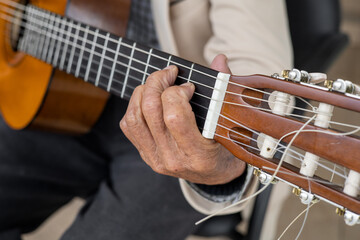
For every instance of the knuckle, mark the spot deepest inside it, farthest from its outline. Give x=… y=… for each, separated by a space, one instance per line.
x=132 y=118
x=122 y=124
x=159 y=168
x=138 y=90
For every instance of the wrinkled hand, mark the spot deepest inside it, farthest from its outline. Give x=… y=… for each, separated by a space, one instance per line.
x=161 y=124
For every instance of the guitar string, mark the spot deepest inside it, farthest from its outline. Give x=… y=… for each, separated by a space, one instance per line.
x=261 y=189
x=110 y=50
x=302 y=109
x=245 y=96
x=302 y=177
x=66 y=41
x=277 y=149
x=23 y=7
x=295 y=219
x=267 y=109
x=266 y=185
x=307 y=209
x=282 y=146
x=203 y=96
x=139 y=80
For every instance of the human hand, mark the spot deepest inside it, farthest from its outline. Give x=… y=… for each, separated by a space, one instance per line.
x=160 y=123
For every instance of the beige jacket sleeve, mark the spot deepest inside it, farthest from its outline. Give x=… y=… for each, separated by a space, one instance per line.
x=252 y=33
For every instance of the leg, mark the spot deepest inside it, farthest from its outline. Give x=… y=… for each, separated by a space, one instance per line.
x=39 y=172
x=134 y=202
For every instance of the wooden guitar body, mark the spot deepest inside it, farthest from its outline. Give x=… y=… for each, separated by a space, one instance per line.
x=34 y=95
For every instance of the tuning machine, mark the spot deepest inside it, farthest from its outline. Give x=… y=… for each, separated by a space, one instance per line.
x=342 y=86
x=264 y=178
x=305 y=197
x=350 y=218
x=297 y=75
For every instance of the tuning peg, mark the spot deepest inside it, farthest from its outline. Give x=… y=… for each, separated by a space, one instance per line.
x=296 y=75
x=317 y=77
x=305 y=197
x=264 y=178
x=351 y=218
x=343 y=86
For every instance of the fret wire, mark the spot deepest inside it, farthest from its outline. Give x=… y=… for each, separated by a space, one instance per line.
x=157 y=56
x=82 y=50
x=23 y=39
x=114 y=64
x=128 y=70
x=191 y=70
x=71 y=57
x=66 y=46
x=134 y=48
x=31 y=35
x=40 y=53
x=41 y=37
x=91 y=55
x=156 y=68
x=47 y=42
x=147 y=66
x=50 y=53
x=169 y=61
x=59 y=46
x=102 y=60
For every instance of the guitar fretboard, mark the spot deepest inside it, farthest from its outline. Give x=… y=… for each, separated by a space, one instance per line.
x=113 y=63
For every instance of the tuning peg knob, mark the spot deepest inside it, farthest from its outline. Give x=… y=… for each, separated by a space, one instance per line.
x=296 y=75
x=351 y=218
x=317 y=77
x=343 y=86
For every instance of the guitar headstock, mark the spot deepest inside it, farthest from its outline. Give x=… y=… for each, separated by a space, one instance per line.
x=290 y=120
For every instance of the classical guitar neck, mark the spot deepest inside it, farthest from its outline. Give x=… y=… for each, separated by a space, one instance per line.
x=113 y=63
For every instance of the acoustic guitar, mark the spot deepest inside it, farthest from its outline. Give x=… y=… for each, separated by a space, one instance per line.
x=252 y=116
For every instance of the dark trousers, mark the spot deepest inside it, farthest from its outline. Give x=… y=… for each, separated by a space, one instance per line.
x=125 y=199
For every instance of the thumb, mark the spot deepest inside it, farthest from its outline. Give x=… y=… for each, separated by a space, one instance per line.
x=220 y=64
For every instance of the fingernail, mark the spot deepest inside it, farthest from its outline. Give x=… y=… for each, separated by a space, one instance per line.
x=171 y=67
x=188 y=85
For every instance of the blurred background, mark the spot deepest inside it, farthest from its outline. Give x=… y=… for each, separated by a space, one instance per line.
x=322 y=221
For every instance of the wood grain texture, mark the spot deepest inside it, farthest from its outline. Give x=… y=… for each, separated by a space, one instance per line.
x=342 y=150
x=72 y=105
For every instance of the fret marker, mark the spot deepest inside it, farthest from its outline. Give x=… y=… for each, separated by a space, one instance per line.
x=147 y=66
x=114 y=65
x=128 y=70
x=215 y=106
